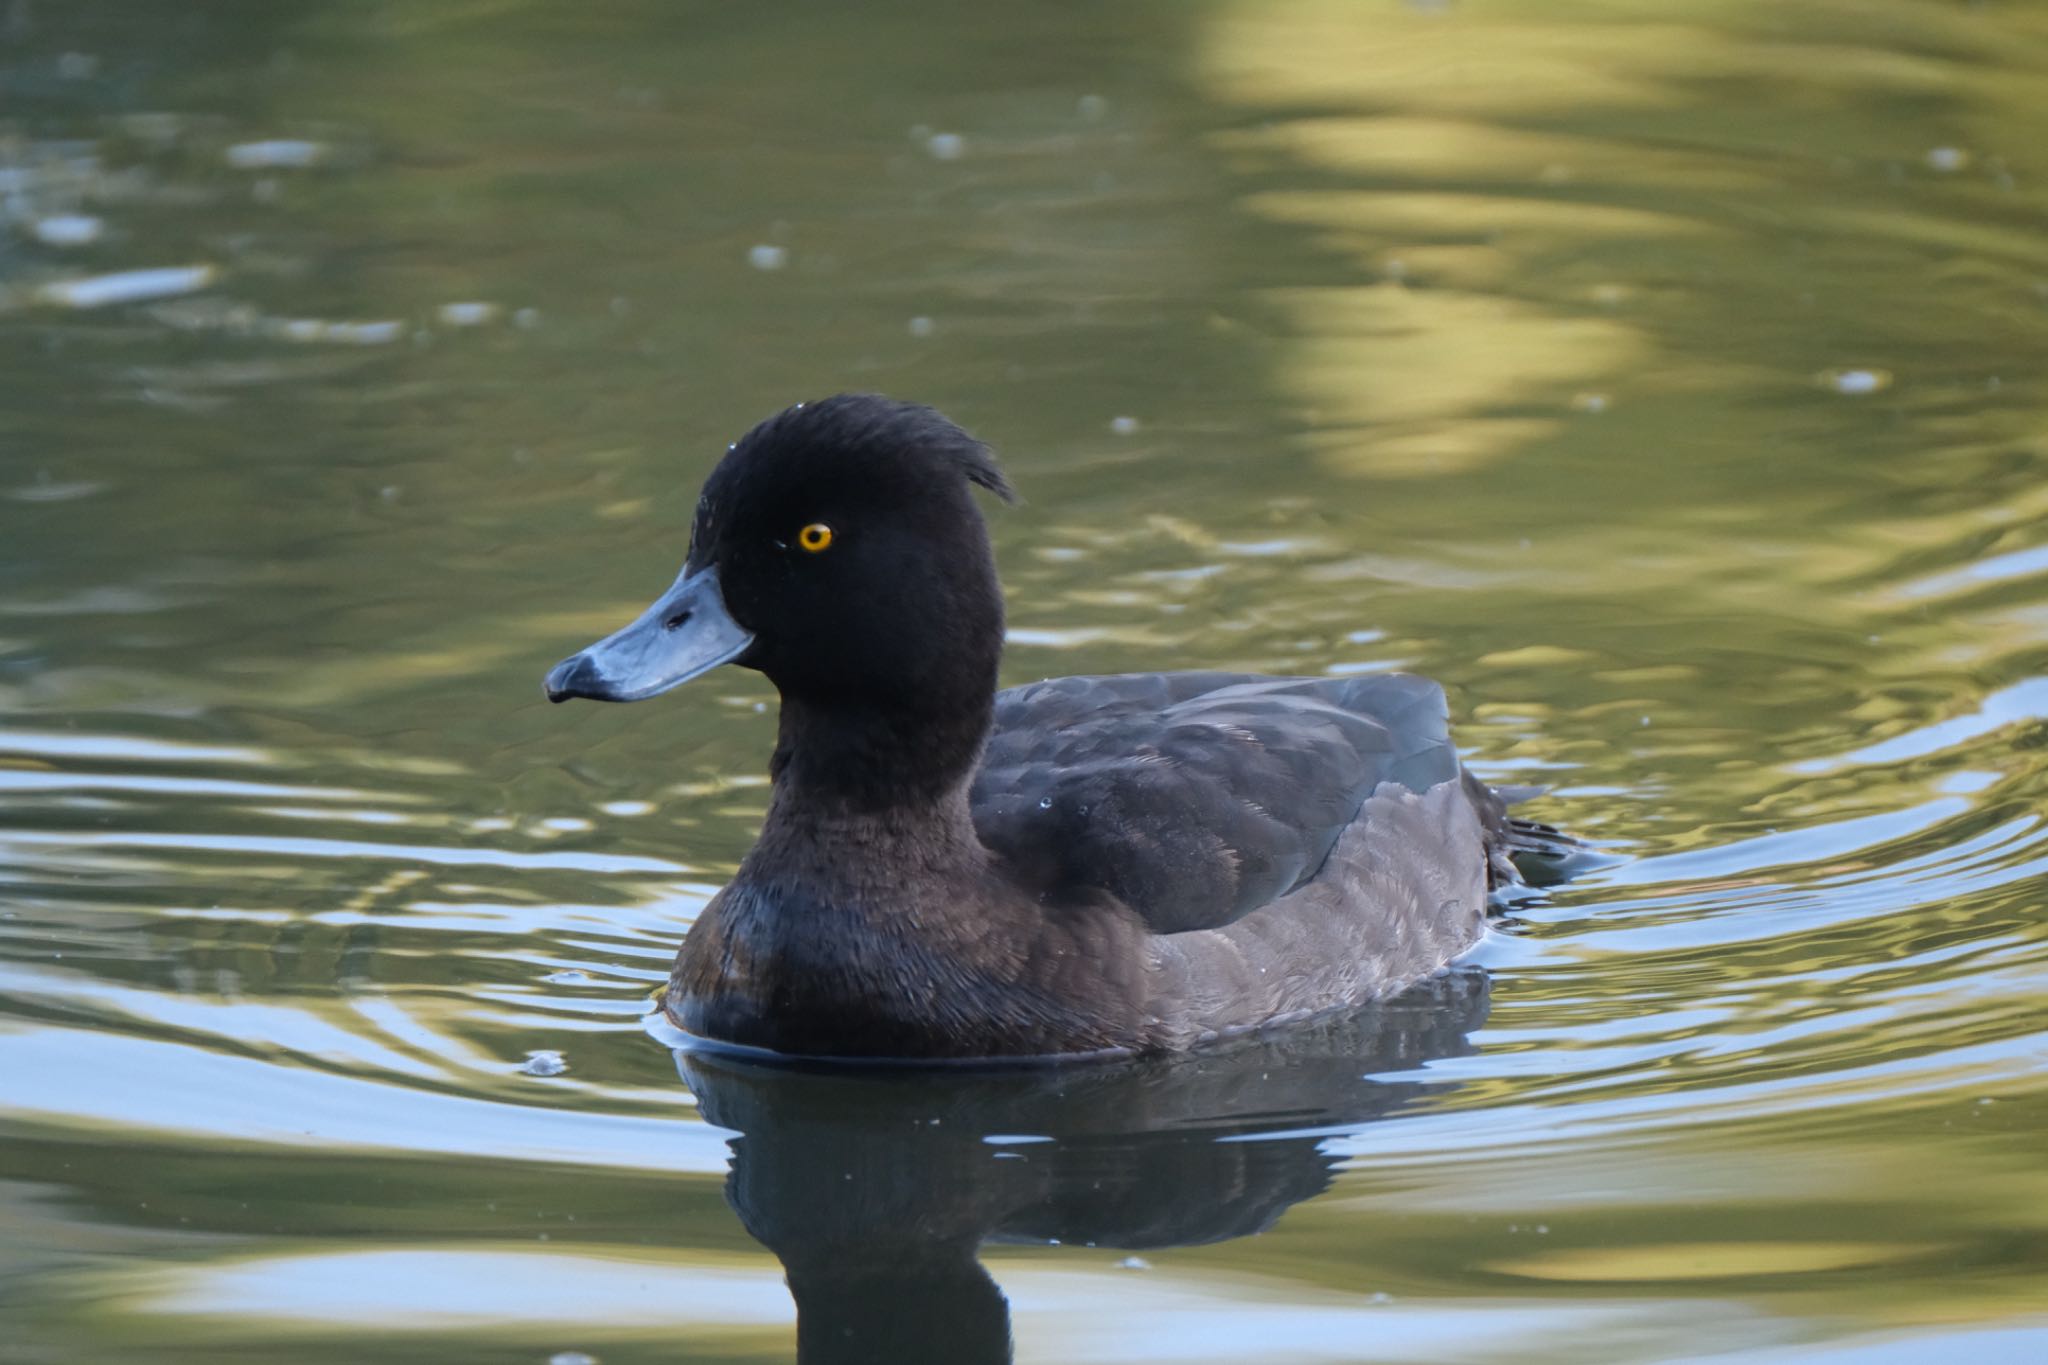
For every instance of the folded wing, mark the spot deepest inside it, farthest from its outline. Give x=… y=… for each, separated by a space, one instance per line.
x=1196 y=798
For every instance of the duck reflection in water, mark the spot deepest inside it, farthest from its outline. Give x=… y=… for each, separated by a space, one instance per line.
x=876 y=1187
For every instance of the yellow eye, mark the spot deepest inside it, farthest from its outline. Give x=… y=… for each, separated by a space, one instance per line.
x=815 y=537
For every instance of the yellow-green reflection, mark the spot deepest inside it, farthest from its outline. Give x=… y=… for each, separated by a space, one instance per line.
x=1666 y=379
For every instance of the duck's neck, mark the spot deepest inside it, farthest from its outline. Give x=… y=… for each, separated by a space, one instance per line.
x=872 y=792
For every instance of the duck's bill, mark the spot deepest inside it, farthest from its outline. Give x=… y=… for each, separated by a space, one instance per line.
x=685 y=633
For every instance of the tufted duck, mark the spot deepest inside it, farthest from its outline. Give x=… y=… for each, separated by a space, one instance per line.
x=1119 y=864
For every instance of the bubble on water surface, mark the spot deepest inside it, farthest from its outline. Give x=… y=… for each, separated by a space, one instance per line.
x=470 y=313
x=766 y=257
x=572 y=1358
x=543 y=1063
x=1947 y=159
x=68 y=229
x=1589 y=402
x=381 y=332
x=946 y=146
x=274 y=153
x=1091 y=107
x=127 y=286
x=921 y=326
x=1124 y=426
x=1857 y=382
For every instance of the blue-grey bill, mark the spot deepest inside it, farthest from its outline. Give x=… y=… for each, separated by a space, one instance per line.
x=686 y=632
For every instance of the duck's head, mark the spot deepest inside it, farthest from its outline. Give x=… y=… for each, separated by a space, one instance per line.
x=837 y=548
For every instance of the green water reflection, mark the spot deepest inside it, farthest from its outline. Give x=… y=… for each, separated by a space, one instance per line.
x=1668 y=380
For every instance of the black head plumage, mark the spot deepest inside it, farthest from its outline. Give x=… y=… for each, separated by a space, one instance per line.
x=846 y=539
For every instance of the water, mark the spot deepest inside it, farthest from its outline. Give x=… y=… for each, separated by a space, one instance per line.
x=1667 y=380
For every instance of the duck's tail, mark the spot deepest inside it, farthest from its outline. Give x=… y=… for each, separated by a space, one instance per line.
x=1519 y=850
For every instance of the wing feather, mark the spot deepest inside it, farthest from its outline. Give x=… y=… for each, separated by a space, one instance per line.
x=1196 y=797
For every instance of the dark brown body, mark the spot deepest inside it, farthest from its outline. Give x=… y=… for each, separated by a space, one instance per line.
x=901 y=934
x=896 y=935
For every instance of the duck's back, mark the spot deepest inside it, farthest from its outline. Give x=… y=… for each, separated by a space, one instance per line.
x=1196 y=798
